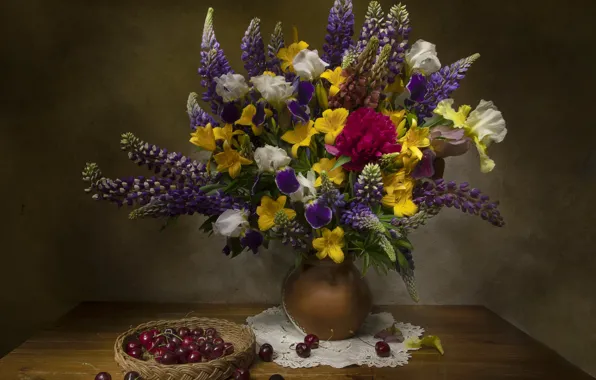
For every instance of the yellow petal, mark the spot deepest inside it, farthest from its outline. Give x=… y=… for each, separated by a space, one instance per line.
x=291 y=137
x=338 y=235
x=417 y=152
x=234 y=170
x=388 y=200
x=291 y=214
x=486 y=163
x=336 y=254
x=247 y=114
x=322 y=254
x=318 y=182
x=405 y=208
x=257 y=131
x=318 y=244
x=333 y=90
x=295 y=150
x=265 y=222
x=268 y=206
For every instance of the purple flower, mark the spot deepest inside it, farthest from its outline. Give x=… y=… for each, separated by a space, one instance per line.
x=213 y=63
x=318 y=214
x=371 y=26
x=441 y=84
x=252 y=239
x=253 y=49
x=230 y=113
x=417 y=87
x=395 y=33
x=361 y=218
x=340 y=29
x=425 y=167
x=286 y=181
x=369 y=187
x=299 y=107
x=276 y=42
x=448 y=141
x=196 y=114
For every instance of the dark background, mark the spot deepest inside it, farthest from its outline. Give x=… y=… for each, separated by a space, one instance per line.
x=76 y=74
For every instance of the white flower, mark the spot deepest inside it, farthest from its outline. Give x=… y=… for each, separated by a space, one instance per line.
x=308 y=65
x=231 y=223
x=423 y=56
x=274 y=89
x=270 y=158
x=307 y=190
x=231 y=87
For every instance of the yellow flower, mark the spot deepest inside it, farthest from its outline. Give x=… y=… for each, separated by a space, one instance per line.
x=270 y=73
x=287 y=55
x=458 y=118
x=300 y=136
x=332 y=123
x=226 y=133
x=399 y=188
x=396 y=87
x=268 y=208
x=246 y=119
x=336 y=175
x=230 y=161
x=334 y=77
x=330 y=244
x=415 y=139
x=398 y=118
x=203 y=137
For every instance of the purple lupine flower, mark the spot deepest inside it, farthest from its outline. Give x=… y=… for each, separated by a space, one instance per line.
x=441 y=84
x=286 y=180
x=318 y=214
x=395 y=33
x=276 y=42
x=330 y=194
x=406 y=225
x=439 y=193
x=373 y=21
x=361 y=218
x=252 y=240
x=213 y=63
x=253 y=49
x=290 y=231
x=369 y=186
x=425 y=168
x=340 y=29
x=197 y=116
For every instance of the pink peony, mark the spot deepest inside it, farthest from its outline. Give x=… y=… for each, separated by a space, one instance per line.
x=366 y=136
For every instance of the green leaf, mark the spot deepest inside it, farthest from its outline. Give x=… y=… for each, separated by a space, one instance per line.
x=211 y=187
x=207 y=225
x=266 y=243
x=432 y=341
x=410 y=117
x=436 y=120
x=365 y=263
x=401 y=259
x=340 y=161
x=404 y=243
x=171 y=220
x=235 y=247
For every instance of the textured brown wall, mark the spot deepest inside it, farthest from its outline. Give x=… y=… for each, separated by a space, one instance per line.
x=75 y=74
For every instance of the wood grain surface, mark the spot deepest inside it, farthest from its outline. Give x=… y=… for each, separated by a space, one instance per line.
x=478 y=344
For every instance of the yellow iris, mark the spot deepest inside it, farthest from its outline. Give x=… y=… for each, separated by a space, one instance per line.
x=399 y=188
x=398 y=118
x=415 y=139
x=268 y=208
x=287 y=55
x=230 y=161
x=332 y=123
x=246 y=119
x=336 y=175
x=334 y=77
x=458 y=118
x=300 y=136
x=203 y=137
x=330 y=244
x=226 y=133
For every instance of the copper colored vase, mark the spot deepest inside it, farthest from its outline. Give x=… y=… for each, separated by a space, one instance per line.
x=327 y=299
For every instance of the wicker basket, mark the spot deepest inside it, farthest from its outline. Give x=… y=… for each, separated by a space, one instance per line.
x=241 y=336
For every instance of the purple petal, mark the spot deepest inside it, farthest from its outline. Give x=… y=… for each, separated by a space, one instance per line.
x=298 y=111
x=317 y=214
x=286 y=181
x=446 y=132
x=331 y=149
x=425 y=167
x=252 y=240
x=305 y=92
x=230 y=113
x=259 y=117
x=417 y=87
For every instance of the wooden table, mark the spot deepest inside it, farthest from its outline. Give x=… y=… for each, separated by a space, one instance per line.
x=479 y=345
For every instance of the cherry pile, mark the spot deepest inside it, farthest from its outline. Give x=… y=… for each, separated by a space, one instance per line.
x=178 y=346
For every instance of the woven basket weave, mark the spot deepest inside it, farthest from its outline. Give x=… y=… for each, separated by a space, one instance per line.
x=241 y=336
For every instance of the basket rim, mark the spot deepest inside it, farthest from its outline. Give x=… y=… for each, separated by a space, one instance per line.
x=242 y=352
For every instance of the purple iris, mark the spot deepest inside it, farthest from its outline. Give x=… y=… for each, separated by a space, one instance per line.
x=286 y=181
x=417 y=87
x=259 y=117
x=252 y=240
x=230 y=113
x=318 y=214
x=425 y=168
x=299 y=107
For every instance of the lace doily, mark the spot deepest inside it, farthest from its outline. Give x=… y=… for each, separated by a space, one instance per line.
x=273 y=327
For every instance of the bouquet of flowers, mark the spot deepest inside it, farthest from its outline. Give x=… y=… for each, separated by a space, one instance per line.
x=334 y=154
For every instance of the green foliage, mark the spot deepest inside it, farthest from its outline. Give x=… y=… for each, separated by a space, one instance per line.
x=235 y=247
x=207 y=225
x=341 y=161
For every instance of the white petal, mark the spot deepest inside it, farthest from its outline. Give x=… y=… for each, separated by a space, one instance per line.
x=231 y=87
x=423 y=56
x=231 y=223
x=308 y=65
x=270 y=158
x=487 y=123
x=274 y=89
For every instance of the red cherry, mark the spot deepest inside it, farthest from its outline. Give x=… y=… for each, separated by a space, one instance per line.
x=183 y=331
x=168 y=358
x=218 y=352
x=154 y=332
x=159 y=352
x=132 y=376
x=382 y=348
x=241 y=374
x=145 y=338
x=136 y=352
x=218 y=341
x=193 y=347
x=188 y=340
x=303 y=350
x=133 y=343
x=177 y=341
x=201 y=340
x=194 y=357
x=312 y=341
x=211 y=332
x=197 y=332
x=228 y=348
x=266 y=352
x=206 y=350
x=103 y=376
x=182 y=353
